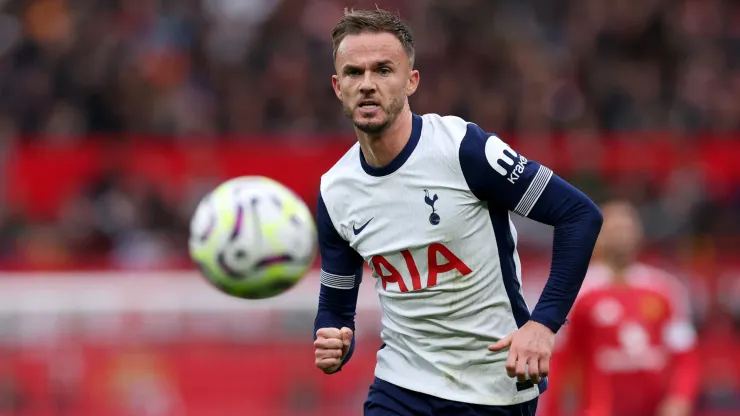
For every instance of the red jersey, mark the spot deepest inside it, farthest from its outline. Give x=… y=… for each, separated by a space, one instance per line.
x=627 y=346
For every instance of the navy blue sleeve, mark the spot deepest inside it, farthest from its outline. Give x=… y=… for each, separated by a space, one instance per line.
x=341 y=274
x=508 y=181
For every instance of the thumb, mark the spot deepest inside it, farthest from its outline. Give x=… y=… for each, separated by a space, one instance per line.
x=501 y=344
x=346 y=335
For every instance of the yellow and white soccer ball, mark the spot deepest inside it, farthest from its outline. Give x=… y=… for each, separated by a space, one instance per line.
x=252 y=237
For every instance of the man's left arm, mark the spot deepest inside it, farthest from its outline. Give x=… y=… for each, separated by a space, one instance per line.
x=502 y=177
x=508 y=180
x=679 y=337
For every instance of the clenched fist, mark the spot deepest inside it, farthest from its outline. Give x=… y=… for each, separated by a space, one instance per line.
x=331 y=347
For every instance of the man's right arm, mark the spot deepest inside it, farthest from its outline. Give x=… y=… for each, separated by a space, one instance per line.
x=341 y=274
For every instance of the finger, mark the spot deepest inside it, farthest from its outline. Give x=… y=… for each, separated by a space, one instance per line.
x=501 y=344
x=544 y=366
x=346 y=335
x=327 y=363
x=521 y=369
x=333 y=353
x=328 y=333
x=534 y=369
x=331 y=343
x=511 y=363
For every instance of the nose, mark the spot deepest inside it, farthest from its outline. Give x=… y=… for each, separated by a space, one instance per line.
x=367 y=85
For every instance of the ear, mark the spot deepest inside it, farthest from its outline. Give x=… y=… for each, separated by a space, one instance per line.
x=413 y=83
x=337 y=88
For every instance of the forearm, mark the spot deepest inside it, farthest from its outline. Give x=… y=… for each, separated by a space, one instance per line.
x=577 y=222
x=337 y=310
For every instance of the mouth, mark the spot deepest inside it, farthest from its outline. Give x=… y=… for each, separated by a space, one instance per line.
x=368 y=104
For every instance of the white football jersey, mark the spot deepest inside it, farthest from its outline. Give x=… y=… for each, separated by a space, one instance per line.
x=435 y=229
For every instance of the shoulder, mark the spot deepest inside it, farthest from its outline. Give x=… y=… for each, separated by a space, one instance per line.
x=444 y=127
x=453 y=130
x=595 y=285
x=345 y=168
x=473 y=145
x=336 y=183
x=468 y=143
x=660 y=281
x=597 y=278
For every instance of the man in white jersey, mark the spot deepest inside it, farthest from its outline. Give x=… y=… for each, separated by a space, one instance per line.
x=425 y=202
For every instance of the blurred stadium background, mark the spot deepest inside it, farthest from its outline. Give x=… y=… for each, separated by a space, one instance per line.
x=116 y=116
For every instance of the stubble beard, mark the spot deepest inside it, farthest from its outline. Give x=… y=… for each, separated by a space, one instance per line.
x=370 y=127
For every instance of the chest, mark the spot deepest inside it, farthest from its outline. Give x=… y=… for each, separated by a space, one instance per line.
x=635 y=317
x=408 y=212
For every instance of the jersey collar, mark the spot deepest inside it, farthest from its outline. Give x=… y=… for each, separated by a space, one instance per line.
x=399 y=160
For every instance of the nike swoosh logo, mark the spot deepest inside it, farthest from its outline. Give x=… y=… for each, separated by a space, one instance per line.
x=359 y=230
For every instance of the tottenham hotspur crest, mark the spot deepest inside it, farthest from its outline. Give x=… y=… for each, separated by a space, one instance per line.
x=433 y=217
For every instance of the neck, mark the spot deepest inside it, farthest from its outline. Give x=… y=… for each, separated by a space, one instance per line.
x=619 y=270
x=380 y=149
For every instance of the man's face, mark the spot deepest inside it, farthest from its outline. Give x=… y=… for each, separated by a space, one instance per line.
x=374 y=79
x=621 y=233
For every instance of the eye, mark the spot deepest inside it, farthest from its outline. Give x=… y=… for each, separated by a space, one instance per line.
x=385 y=71
x=352 y=72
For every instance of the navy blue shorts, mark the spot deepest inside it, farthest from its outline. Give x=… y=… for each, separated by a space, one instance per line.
x=386 y=399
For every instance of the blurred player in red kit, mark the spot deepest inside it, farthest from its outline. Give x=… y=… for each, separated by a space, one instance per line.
x=629 y=348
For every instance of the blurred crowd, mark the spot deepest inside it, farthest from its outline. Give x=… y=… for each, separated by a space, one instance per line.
x=194 y=66
x=181 y=69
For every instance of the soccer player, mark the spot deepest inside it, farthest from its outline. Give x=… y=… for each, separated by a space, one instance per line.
x=629 y=348
x=424 y=200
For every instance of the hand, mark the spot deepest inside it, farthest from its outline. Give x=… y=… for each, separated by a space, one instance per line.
x=675 y=406
x=331 y=347
x=530 y=349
